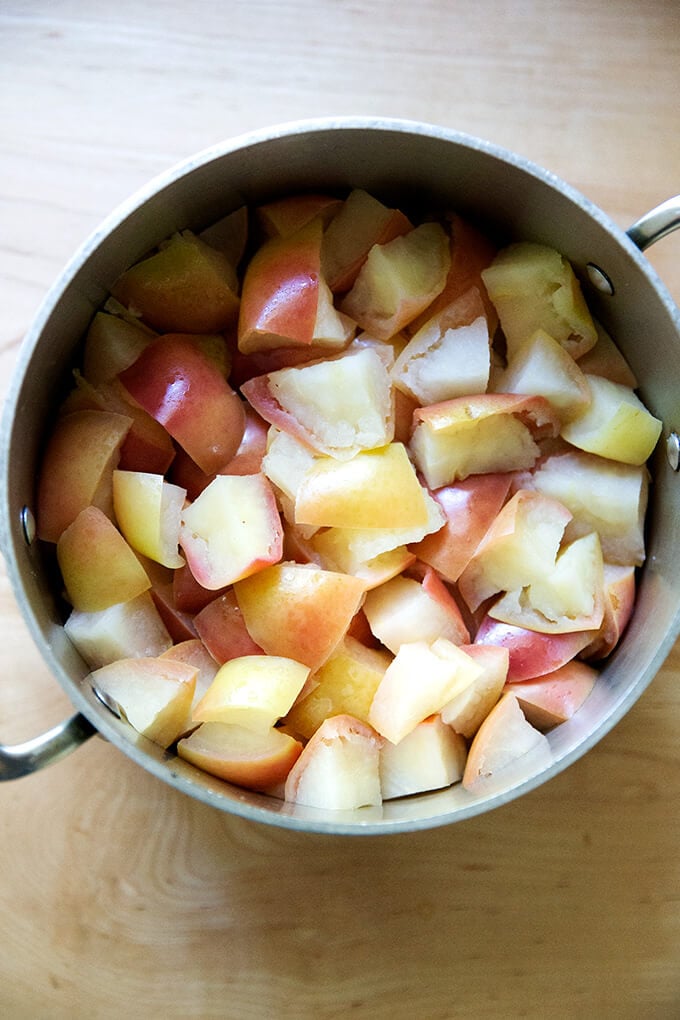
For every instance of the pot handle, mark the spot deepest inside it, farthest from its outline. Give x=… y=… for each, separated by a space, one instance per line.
x=657 y=223
x=23 y=759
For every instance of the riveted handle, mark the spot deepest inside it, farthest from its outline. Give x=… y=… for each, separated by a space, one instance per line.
x=657 y=223
x=19 y=760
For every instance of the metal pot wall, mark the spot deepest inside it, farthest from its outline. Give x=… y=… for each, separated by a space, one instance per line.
x=398 y=161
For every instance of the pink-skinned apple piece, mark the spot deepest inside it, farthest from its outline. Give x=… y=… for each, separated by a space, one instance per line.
x=430 y=757
x=248 y=758
x=194 y=653
x=180 y=625
x=404 y=610
x=148 y=511
x=180 y=386
x=221 y=627
x=552 y=699
x=339 y=768
x=231 y=530
x=619 y=601
x=531 y=653
x=153 y=694
x=505 y=751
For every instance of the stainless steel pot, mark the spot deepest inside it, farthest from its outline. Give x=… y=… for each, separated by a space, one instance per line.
x=398 y=161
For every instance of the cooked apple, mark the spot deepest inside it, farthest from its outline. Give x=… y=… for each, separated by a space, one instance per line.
x=286 y=461
x=180 y=626
x=188 y=595
x=466 y=712
x=506 y=750
x=375 y=489
x=606 y=359
x=542 y=367
x=489 y=433
x=112 y=343
x=531 y=653
x=520 y=547
x=298 y=610
x=337 y=406
x=332 y=550
x=404 y=610
x=248 y=458
x=361 y=222
x=231 y=530
x=552 y=699
x=285 y=300
x=442 y=669
x=619 y=601
x=221 y=627
x=470 y=508
x=345 y=685
x=253 y=691
x=432 y=756
x=603 y=496
x=148 y=511
x=77 y=468
x=185 y=287
x=132 y=629
x=532 y=287
x=254 y=760
x=615 y=424
x=339 y=769
x=97 y=565
x=398 y=280
x=153 y=694
x=183 y=389
x=228 y=235
x=450 y=354
x=194 y=653
x=284 y=216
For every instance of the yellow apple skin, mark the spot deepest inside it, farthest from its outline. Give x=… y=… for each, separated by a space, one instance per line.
x=77 y=468
x=339 y=768
x=97 y=565
x=185 y=287
x=253 y=691
x=153 y=694
x=615 y=424
x=298 y=610
x=148 y=511
x=248 y=758
x=375 y=489
x=400 y=704
x=345 y=685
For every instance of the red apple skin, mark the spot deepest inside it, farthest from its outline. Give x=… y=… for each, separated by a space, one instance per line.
x=222 y=629
x=532 y=654
x=77 y=468
x=188 y=595
x=555 y=697
x=471 y=252
x=248 y=458
x=470 y=507
x=280 y=294
x=185 y=391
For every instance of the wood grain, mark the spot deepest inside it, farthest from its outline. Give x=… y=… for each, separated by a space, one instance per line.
x=120 y=897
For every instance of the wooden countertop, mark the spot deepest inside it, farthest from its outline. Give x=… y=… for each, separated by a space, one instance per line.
x=121 y=898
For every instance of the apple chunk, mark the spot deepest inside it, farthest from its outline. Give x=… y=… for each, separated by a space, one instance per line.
x=132 y=629
x=337 y=406
x=153 y=694
x=231 y=530
x=530 y=652
x=253 y=691
x=97 y=565
x=399 y=280
x=506 y=749
x=552 y=699
x=542 y=367
x=430 y=757
x=487 y=433
x=615 y=424
x=148 y=511
x=254 y=760
x=402 y=701
x=534 y=287
x=404 y=610
x=466 y=712
x=298 y=610
x=339 y=769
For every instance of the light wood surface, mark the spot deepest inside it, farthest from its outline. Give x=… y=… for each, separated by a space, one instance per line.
x=120 y=898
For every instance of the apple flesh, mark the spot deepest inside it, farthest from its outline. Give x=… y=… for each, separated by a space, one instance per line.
x=77 y=468
x=252 y=759
x=132 y=629
x=398 y=280
x=619 y=602
x=339 y=768
x=505 y=750
x=466 y=712
x=112 y=343
x=404 y=610
x=615 y=424
x=231 y=530
x=253 y=691
x=97 y=565
x=284 y=216
x=148 y=511
x=180 y=386
x=431 y=757
x=489 y=433
x=606 y=359
x=542 y=367
x=153 y=694
x=532 y=287
x=185 y=287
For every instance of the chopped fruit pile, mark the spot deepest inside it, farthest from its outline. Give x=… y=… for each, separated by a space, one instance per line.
x=347 y=506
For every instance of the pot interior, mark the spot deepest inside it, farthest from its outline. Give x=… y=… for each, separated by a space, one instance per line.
x=415 y=167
